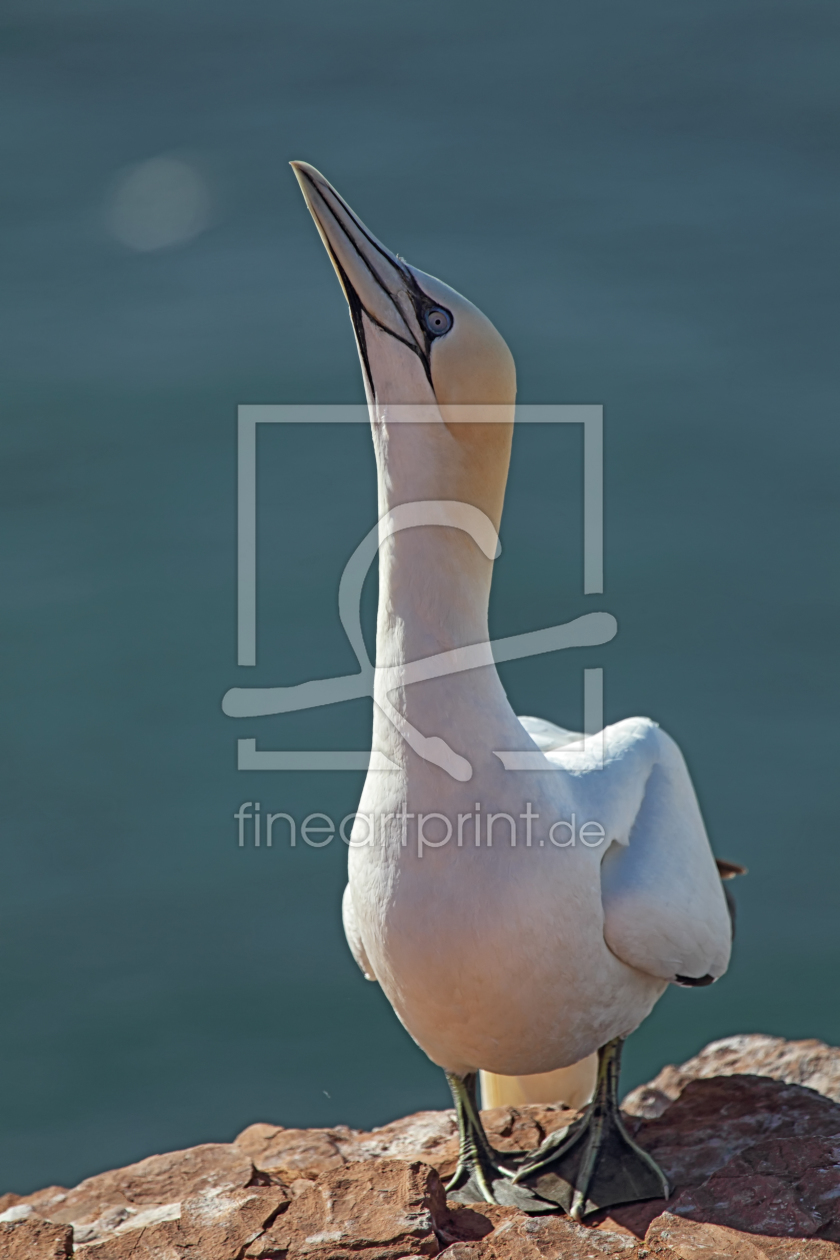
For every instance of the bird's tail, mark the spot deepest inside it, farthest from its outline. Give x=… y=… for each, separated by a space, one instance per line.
x=573 y=1086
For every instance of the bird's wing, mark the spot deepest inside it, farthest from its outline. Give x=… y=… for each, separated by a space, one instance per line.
x=664 y=907
x=354 y=936
x=546 y=735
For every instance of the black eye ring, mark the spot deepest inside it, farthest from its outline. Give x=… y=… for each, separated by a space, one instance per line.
x=437 y=320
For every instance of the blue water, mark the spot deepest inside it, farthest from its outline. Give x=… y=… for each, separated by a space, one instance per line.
x=644 y=199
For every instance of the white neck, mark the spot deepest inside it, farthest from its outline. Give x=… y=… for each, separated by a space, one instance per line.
x=433 y=598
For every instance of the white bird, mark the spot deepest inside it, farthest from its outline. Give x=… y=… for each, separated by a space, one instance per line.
x=515 y=947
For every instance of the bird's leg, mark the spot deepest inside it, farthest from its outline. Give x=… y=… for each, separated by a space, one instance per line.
x=594 y=1163
x=477 y=1163
x=481 y=1174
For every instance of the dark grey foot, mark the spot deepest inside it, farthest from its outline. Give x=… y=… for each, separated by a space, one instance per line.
x=484 y=1175
x=594 y=1163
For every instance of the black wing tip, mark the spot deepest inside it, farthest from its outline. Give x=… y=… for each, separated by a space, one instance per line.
x=695 y=982
x=730 y=870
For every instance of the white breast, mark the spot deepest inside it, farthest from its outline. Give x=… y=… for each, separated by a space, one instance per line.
x=520 y=960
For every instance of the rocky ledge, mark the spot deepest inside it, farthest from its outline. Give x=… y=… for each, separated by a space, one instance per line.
x=748 y=1133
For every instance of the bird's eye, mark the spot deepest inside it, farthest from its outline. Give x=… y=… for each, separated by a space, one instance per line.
x=438 y=321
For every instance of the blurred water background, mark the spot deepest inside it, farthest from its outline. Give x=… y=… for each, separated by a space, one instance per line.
x=643 y=198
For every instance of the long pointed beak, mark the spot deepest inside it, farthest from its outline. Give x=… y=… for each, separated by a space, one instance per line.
x=375 y=282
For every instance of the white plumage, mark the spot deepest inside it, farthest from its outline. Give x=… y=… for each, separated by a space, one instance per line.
x=516 y=959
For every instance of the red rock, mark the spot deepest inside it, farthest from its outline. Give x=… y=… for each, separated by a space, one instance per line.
x=545 y=1238
x=292 y=1152
x=429 y=1136
x=382 y=1210
x=156 y=1182
x=216 y=1225
x=754 y=1162
x=143 y=1195
x=52 y=1194
x=795 y=1249
x=673 y=1238
x=780 y=1187
x=470 y=1224
x=713 y=1120
x=755 y=1204
x=157 y=1242
x=522 y=1129
x=809 y=1063
x=219 y=1225
x=35 y=1239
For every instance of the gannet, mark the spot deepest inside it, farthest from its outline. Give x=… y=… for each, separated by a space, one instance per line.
x=506 y=942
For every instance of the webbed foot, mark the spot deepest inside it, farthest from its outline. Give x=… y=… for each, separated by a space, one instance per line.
x=484 y=1175
x=594 y=1163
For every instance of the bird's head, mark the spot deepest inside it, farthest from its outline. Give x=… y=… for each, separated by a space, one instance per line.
x=427 y=355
